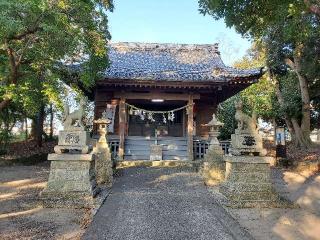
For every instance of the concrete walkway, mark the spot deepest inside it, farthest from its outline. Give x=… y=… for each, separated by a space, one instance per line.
x=162 y=203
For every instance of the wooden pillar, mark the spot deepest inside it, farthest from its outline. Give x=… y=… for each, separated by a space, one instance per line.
x=184 y=124
x=122 y=127
x=190 y=127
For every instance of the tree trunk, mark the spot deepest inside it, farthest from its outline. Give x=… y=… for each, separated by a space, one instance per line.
x=274 y=131
x=304 y=128
x=37 y=127
x=299 y=139
x=4 y=103
x=40 y=126
x=26 y=127
x=33 y=128
x=51 y=122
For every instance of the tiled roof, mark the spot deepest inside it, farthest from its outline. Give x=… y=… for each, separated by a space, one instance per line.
x=171 y=62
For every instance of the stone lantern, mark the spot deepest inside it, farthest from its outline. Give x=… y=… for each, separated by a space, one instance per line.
x=213 y=169
x=103 y=165
x=215 y=126
x=102 y=130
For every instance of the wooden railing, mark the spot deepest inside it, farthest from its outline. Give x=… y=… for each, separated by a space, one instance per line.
x=114 y=146
x=200 y=148
x=225 y=146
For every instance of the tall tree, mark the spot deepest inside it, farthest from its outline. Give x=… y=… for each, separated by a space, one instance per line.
x=37 y=37
x=290 y=32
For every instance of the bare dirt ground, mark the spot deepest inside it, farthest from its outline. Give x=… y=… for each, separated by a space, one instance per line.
x=291 y=223
x=21 y=214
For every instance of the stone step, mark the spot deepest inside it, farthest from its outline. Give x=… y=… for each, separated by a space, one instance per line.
x=153 y=138
x=173 y=148
x=165 y=148
x=162 y=163
x=136 y=157
x=175 y=157
x=137 y=152
x=147 y=153
x=175 y=152
x=147 y=157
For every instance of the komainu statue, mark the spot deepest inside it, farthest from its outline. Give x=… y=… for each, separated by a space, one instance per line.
x=74 y=138
x=70 y=119
x=246 y=139
x=246 y=124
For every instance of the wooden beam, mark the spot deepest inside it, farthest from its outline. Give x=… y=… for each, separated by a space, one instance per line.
x=190 y=127
x=122 y=127
x=155 y=95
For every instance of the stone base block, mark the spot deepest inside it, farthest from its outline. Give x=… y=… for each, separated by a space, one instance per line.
x=213 y=173
x=247 y=182
x=71 y=181
x=155 y=152
x=104 y=171
x=246 y=143
x=67 y=200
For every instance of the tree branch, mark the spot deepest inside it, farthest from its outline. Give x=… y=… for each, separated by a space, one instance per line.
x=314 y=8
x=24 y=34
x=13 y=66
x=290 y=63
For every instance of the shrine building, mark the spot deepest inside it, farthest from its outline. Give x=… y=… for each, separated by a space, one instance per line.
x=164 y=94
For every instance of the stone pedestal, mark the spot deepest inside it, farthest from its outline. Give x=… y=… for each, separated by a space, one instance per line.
x=155 y=152
x=104 y=172
x=243 y=143
x=214 y=166
x=73 y=141
x=247 y=182
x=213 y=169
x=71 y=181
x=213 y=172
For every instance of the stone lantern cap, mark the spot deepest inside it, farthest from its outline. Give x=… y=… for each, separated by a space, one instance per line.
x=102 y=121
x=214 y=122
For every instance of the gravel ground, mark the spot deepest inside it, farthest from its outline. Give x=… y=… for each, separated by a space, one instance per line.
x=302 y=223
x=162 y=203
x=157 y=203
x=21 y=214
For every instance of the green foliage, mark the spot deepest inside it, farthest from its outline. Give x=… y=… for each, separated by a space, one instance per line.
x=258 y=98
x=290 y=92
x=8 y=118
x=36 y=36
x=225 y=114
x=289 y=32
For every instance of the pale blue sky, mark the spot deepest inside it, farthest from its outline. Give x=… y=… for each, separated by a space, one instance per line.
x=173 y=21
